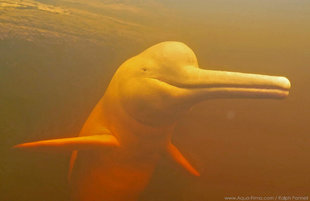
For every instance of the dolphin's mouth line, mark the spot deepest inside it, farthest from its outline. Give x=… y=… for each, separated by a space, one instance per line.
x=227 y=91
x=223 y=87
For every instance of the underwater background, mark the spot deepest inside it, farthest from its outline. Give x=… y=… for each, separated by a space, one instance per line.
x=58 y=56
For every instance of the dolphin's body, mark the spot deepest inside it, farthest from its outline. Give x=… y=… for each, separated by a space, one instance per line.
x=131 y=126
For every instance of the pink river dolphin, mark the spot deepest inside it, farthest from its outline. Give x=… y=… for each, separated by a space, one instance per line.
x=131 y=127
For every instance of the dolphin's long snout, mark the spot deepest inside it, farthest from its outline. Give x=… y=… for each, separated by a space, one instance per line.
x=244 y=84
x=223 y=84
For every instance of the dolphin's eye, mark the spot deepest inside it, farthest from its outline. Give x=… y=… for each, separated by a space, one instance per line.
x=144 y=69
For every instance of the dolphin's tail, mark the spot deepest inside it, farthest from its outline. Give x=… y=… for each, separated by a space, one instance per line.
x=180 y=159
x=73 y=143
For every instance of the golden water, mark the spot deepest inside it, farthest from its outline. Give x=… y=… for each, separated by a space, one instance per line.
x=57 y=57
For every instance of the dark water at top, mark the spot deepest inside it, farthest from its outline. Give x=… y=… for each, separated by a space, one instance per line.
x=57 y=58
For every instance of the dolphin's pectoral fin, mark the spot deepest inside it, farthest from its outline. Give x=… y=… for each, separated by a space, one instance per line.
x=72 y=162
x=180 y=159
x=73 y=143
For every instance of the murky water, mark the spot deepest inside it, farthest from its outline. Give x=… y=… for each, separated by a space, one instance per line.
x=58 y=56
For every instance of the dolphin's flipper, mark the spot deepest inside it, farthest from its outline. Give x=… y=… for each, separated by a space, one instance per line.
x=179 y=158
x=73 y=143
x=72 y=162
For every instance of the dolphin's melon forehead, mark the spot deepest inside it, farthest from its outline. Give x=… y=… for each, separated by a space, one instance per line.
x=172 y=52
